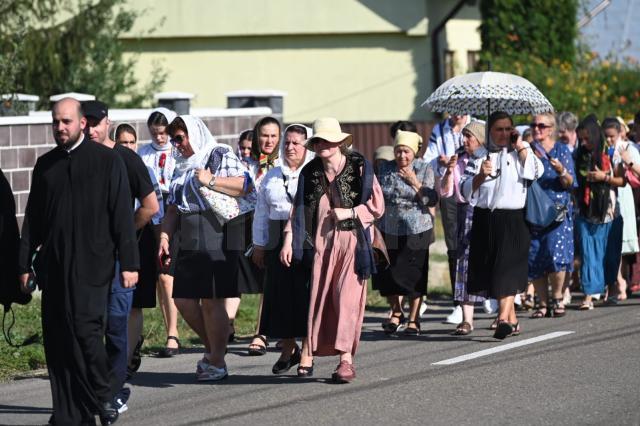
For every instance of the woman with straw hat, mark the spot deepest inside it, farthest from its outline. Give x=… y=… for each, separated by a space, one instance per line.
x=337 y=201
x=408 y=187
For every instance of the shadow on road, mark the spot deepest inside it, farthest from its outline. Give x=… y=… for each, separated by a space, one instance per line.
x=18 y=409
x=166 y=379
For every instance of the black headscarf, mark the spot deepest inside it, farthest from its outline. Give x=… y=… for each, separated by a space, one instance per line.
x=593 y=197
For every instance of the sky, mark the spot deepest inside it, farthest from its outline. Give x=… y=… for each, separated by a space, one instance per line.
x=616 y=29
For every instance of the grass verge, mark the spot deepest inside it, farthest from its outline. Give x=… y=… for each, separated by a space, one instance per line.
x=20 y=361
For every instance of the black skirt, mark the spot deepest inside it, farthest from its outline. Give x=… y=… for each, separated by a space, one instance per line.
x=408 y=273
x=206 y=265
x=250 y=278
x=144 y=295
x=498 y=253
x=285 y=309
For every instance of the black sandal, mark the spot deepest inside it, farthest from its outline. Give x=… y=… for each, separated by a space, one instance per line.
x=503 y=330
x=304 y=371
x=169 y=352
x=539 y=313
x=391 y=327
x=557 y=309
x=412 y=331
x=258 y=350
x=136 y=359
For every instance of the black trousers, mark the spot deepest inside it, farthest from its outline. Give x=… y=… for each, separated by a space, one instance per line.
x=449 y=214
x=73 y=325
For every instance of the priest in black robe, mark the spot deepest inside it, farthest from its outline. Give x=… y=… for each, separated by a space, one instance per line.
x=79 y=216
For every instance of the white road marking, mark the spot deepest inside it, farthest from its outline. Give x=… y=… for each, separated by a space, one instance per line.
x=503 y=348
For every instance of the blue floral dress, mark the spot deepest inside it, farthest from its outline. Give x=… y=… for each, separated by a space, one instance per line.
x=552 y=248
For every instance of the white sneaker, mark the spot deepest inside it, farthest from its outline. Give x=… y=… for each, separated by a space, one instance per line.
x=423 y=308
x=201 y=365
x=490 y=306
x=120 y=405
x=213 y=374
x=455 y=317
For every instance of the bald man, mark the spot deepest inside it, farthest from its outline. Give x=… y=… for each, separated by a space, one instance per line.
x=79 y=214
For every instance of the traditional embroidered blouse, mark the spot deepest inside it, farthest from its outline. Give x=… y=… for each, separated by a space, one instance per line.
x=275 y=199
x=161 y=162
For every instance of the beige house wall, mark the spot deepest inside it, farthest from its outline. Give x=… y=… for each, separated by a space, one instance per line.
x=360 y=61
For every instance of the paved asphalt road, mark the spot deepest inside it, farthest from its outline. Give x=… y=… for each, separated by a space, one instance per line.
x=591 y=376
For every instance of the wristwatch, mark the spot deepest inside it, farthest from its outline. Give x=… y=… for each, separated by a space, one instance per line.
x=212 y=182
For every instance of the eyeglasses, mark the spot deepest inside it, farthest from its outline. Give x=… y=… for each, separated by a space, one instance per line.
x=540 y=126
x=177 y=139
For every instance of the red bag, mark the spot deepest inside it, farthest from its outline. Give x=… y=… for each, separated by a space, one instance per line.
x=632 y=179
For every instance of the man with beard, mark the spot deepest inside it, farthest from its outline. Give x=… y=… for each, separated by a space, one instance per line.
x=79 y=215
x=121 y=298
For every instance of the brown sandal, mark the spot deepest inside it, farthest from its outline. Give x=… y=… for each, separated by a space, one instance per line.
x=463 y=329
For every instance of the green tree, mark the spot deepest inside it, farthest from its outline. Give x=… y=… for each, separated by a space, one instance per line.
x=82 y=53
x=537 y=40
x=543 y=28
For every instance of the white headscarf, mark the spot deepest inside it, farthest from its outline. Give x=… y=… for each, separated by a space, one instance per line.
x=309 y=155
x=202 y=143
x=170 y=116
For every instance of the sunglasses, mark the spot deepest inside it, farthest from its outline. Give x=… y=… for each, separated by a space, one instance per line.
x=540 y=126
x=177 y=139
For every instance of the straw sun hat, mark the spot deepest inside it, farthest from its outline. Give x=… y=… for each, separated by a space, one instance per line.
x=328 y=129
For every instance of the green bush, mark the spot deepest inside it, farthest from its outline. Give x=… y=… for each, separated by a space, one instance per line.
x=589 y=84
x=42 y=55
x=536 y=39
x=512 y=28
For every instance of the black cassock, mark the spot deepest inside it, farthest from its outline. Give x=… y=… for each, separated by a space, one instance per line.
x=9 y=240
x=79 y=212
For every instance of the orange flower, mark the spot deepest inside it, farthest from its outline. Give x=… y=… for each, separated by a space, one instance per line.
x=513 y=37
x=622 y=100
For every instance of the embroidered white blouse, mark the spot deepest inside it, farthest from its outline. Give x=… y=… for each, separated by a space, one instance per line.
x=275 y=197
x=507 y=190
x=162 y=166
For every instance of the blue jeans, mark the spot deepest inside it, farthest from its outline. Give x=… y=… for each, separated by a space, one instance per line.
x=118 y=309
